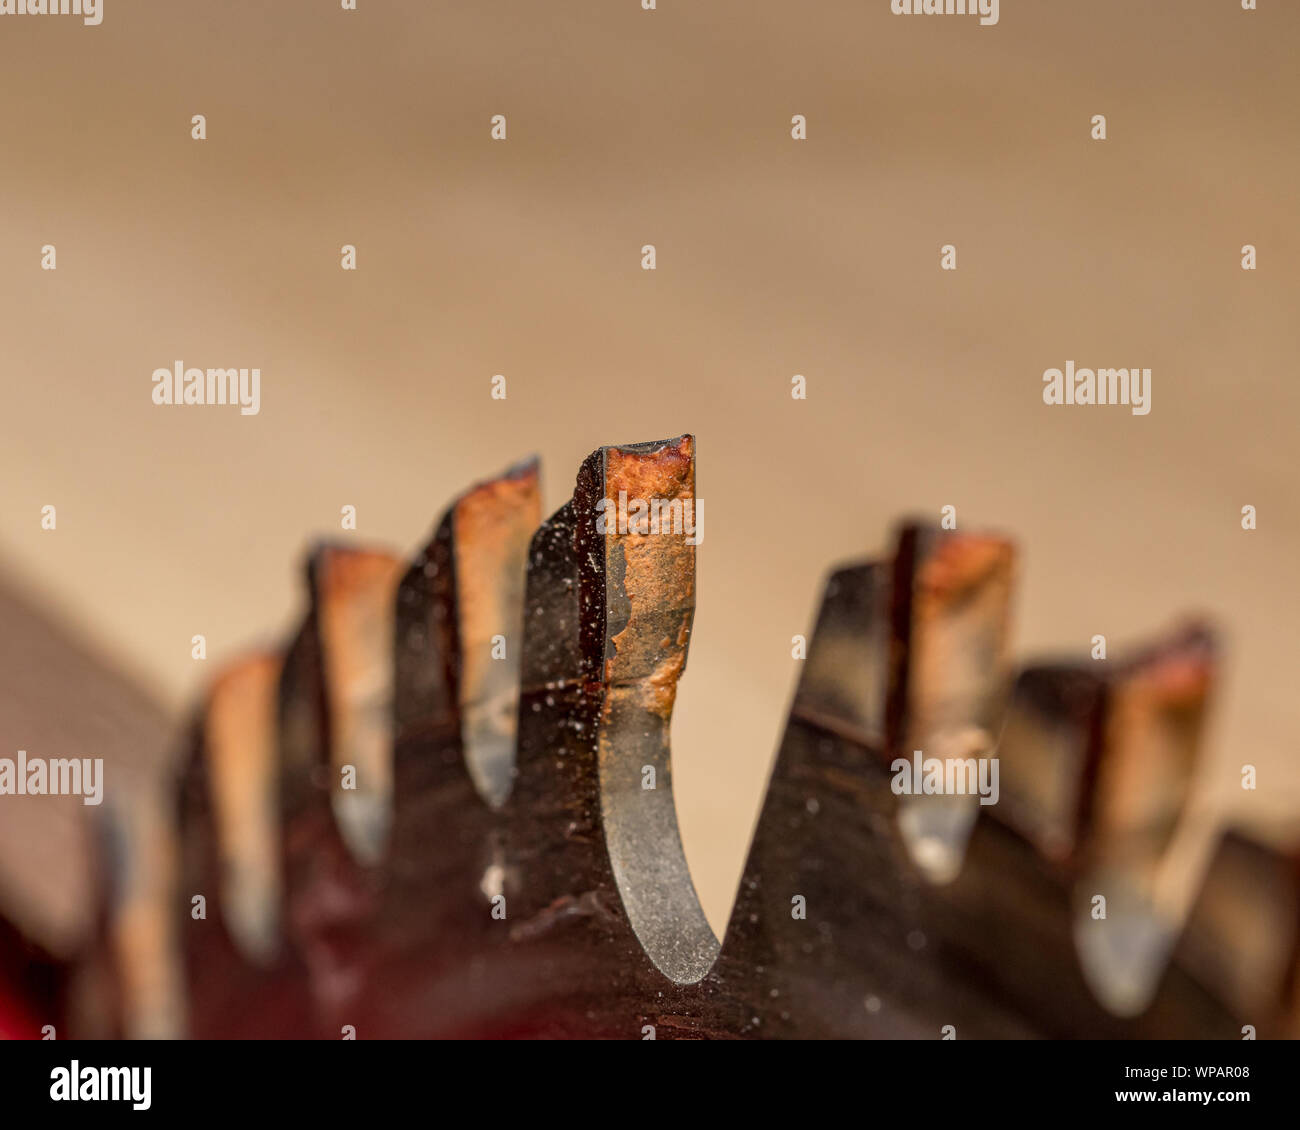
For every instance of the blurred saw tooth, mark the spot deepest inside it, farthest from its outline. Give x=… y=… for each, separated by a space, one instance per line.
x=459 y=631
x=845 y=674
x=951 y=613
x=605 y=933
x=492 y=525
x=142 y=921
x=1153 y=719
x=1049 y=751
x=355 y=592
x=1155 y=716
x=240 y=743
x=1099 y=758
x=826 y=844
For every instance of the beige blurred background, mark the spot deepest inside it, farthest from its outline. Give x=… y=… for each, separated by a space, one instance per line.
x=775 y=257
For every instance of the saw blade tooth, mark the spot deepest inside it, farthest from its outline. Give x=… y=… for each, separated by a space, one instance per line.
x=238 y=793
x=951 y=612
x=1048 y=755
x=1155 y=718
x=493 y=525
x=242 y=776
x=301 y=724
x=845 y=675
x=552 y=606
x=1150 y=735
x=424 y=675
x=355 y=592
x=886 y=951
x=645 y=589
x=141 y=919
x=828 y=892
x=1097 y=758
x=611 y=596
x=459 y=633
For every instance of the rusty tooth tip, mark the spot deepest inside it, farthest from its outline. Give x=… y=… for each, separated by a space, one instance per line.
x=1181 y=667
x=957 y=562
x=233 y=675
x=526 y=472
x=665 y=468
x=336 y=569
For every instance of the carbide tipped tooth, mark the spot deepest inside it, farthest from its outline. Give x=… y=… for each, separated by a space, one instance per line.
x=142 y=910
x=460 y=619
x=1154 y=714
x=845 y=675
x=239 y=741
x=492 y=525
x=951 y=611
x=1048 y=755
x=355 y=593
x=1099 y=757
x=593 y=825
x=639 y=601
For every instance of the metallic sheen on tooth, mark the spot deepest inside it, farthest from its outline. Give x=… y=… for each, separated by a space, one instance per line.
x=239 y=737
x=355 y=592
